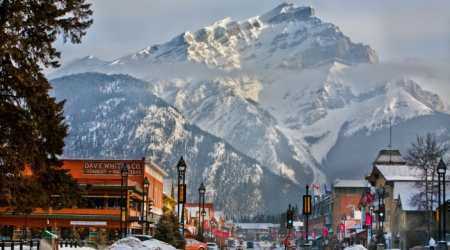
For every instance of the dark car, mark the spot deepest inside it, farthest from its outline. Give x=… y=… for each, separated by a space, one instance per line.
x=239 y=247
x=250 y=244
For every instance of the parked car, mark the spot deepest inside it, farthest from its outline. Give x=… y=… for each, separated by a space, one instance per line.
x=250 y=244
x=192 y=244
x=212 y=246
x=239 y=247
x=141 y=237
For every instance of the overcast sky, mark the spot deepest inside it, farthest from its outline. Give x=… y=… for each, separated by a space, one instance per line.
x=399 y=30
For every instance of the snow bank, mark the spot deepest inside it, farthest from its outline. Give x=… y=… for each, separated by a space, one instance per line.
x=131 y=243
x=355 y=247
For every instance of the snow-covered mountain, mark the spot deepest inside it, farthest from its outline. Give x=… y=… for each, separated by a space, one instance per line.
x=118 y=117
x=281 y=88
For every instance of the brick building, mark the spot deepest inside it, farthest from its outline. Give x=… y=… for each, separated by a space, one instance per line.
x=98 y=215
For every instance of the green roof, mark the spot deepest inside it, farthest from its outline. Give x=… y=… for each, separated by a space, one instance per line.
x=47 y=234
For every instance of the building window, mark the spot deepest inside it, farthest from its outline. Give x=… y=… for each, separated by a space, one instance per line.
x=387 y=192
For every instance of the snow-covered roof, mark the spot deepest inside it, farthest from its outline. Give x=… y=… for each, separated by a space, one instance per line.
x=389 y=156
x=403 y=187
x=297 y=223
x=406 y=200
x=352 y=183
x=398 y=172
x=356 y=226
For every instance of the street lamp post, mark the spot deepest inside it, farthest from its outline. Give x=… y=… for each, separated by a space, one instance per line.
x=203 y=219
x=149 y=212
x=344 y=218
x=181 y=168
x=381 y=208
x=145 y=185
x=201 y=192
x=307 y=209
x=442 y=169
x=371 y=208
x=124 y=181
x=369 y=235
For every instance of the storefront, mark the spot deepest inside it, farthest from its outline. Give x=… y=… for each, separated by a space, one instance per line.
x=99 y=214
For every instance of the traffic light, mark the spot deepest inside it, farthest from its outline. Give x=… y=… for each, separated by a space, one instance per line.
x=150 y=204
x=448 y=205
x=437 y=214
x=381 y=212
x=290 y=219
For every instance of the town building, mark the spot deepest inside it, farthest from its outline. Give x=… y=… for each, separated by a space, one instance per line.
x=99 y=214
x=195 y=220
x=334 y=215
x=394 y=185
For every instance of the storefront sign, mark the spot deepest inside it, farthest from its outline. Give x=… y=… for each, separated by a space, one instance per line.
x=88 y=223
x=111 y=168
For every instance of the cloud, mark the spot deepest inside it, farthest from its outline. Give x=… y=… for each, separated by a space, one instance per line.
x=431 y=76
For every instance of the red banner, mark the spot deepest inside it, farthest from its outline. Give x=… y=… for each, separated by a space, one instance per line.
x=368 y=220
x=313 y=235
x=324 y=232
x=341 y=228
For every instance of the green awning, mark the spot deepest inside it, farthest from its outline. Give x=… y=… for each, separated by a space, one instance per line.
x=47 y=234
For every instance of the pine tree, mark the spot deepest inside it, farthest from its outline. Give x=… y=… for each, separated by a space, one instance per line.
x=163 y=231
x=373 y=244
x=179 y=240
x=55 y=231
x=32 y=123
x=74 y=235
x=167 y=230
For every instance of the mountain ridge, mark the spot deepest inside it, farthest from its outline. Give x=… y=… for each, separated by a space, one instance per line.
x=281 y=89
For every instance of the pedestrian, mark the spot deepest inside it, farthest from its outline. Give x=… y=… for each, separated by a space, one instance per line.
x=432 y=243
x=287 y=243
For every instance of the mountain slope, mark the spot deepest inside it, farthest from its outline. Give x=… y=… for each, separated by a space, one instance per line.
x=118 y=117
x=283 y=88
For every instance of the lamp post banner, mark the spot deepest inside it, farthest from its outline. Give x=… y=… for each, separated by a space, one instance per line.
x=182 y=193
x=368 y=220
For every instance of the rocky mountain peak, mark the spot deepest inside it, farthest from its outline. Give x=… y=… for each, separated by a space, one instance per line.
x=287 y=12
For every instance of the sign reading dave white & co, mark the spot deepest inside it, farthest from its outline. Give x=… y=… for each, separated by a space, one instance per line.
x=111 y=167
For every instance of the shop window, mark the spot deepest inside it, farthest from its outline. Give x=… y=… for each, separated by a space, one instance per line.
x=65 y=233
x=98 y=203
x=113 y=203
